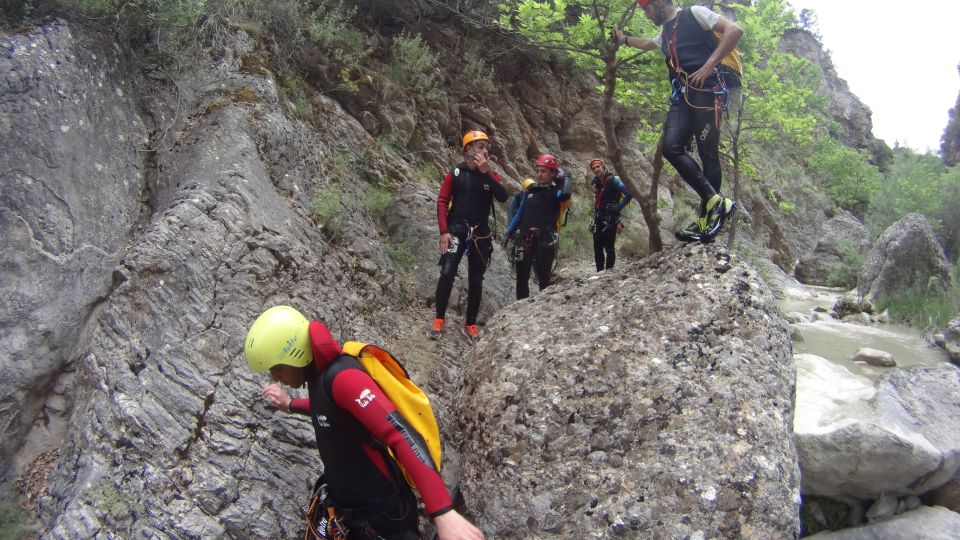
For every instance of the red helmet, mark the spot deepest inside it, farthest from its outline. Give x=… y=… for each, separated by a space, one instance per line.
x=643 y=3
x=597 y=160
x=548 y=161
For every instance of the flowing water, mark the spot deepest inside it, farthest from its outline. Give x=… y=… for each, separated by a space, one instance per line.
x=838 y=341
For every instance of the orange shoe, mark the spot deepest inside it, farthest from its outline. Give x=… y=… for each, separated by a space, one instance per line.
x=436 y=329
x=471 y=332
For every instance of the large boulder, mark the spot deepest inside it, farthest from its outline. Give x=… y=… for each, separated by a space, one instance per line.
x=71 y=177
x=652 y=400
x=858 y=439
x=843 y=235
x=906 y=257
x=924 y=523
x=951 y=340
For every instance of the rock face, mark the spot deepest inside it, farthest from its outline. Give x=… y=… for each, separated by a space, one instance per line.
x=841 y=235
x=71 y=175
x=853 y=118
x=906 y=257
x=653 y=400
x=858 y=440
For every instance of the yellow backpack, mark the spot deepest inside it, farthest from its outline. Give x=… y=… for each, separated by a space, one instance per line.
x=406 y=396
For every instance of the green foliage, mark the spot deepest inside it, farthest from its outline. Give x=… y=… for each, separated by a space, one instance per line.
x=915 y=183
x=404 y=261
x=415 y=67
x=328 y=209
x=476 y=71
x=377 y=204
x=930 y=307
x=575 y=239
x=822 y=514
x=847 y=274
x=330 y=28
x=846 y=173
x=15 y=522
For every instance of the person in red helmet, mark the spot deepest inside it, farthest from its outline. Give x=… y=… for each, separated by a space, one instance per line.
x=536 y=221
x=463 y=212
x=366 y=493
x=701 y=88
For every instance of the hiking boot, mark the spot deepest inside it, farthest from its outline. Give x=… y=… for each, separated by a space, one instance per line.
x=718 y=208
x=471 y=332
x=693 y=232
x=436 y=329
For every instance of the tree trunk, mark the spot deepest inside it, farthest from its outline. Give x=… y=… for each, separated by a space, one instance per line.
x=735 y=146
x=647 y=201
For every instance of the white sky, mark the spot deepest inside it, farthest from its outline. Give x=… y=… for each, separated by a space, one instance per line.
x=900 y=58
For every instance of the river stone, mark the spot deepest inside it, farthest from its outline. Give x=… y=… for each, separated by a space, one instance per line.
x=842 y=236
x=883 y=508
x=652 y=400
x=906 y=257
x=924 y=523
x=858 y=440
x=874 y=357
x=951 y=340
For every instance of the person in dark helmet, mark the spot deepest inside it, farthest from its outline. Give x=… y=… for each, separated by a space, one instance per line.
x=610 y=198
x=463 y=212
x=701 y=88
x=536 y=222
x=364 y=489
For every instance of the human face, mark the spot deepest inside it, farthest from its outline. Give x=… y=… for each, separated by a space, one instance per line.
x=477 y=148
x=597 y=168
x=544 y=175
x=291 y=376
x=656 y=11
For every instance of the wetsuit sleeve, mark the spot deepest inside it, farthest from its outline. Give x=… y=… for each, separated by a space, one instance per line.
x=300 y=406
x=515 y=222
x=356 y=393
x=443 y=201
x=622 y=188
x=496 y=186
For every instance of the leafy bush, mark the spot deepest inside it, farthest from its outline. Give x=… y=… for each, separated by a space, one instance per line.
x=929 y=307
x=328 y=210
x=849 y=271
x=849 y=178
x=377 y=204
x=415 y=67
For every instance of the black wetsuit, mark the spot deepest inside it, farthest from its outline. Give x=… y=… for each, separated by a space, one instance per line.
x=536 y=220
x=610 y=197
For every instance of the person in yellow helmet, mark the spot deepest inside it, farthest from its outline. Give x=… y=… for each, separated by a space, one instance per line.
x=463 y=214
x=365 y=491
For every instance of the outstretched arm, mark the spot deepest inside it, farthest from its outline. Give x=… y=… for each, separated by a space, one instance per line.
x=642 y=43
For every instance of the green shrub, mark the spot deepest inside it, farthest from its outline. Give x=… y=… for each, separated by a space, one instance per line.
x=377 y=204
x=15 y=522
x=404 y=261
x=852 y=261
x=415 y=67
x=929 y=308
x=846 y=173
x=477 y=72
x=328 y=210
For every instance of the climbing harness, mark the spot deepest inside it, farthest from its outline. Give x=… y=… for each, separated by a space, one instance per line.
x=322 y=519
x=681 y=83
x=471 y=243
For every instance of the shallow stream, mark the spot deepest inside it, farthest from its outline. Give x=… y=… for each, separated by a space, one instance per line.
x=838 y=341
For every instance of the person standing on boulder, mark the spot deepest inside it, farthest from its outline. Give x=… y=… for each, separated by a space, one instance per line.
x=610 y=198
x=701 y=86
x=463 y=212
x=536 y=221
x=366 y=493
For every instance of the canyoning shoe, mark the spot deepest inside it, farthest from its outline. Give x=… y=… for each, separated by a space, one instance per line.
x=471 y=332
x=693 y=232
x=718 y=208
x=436 y=329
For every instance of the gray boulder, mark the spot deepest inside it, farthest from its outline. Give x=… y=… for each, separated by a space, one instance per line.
x=858 y=440
x=951 y=340
x=906 y=257
x=71 y=179
x=924 y=523
x=842 y=236
x=653 y=400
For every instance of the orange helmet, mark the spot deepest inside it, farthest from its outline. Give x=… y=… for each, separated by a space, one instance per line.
x=474 y=136
x=548 y=161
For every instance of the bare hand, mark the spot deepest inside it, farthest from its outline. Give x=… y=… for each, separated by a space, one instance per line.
x=453 y=526
x=444 y=242
x=618 y=33
x=483 y=161
x=276 y=396
x=700 y=76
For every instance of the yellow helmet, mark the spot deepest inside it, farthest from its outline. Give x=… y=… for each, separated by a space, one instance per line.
x=527 y=182
x=474 y=136
x=279 y=336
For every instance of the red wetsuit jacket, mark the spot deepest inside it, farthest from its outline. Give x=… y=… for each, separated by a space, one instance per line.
x=357 y=472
